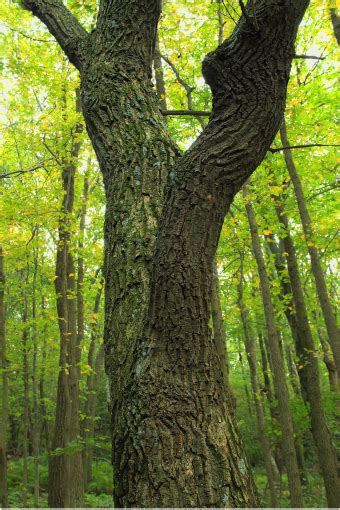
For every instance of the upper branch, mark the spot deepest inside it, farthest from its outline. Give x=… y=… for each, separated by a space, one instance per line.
x=63 y=25
x=248 y=75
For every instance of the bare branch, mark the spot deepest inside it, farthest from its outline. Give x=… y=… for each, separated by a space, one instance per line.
x=188 y=89
x=15 y=173
x=273 y=150
x=193 y=113
x=63 y=25
x=312 y=57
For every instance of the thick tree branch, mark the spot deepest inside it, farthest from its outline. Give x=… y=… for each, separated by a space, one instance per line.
x=63 y=25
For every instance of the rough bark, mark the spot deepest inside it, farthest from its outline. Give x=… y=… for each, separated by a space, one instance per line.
x=310 y=378
x=280 y=384
x=4 y=389
x=319 y=277
x=174 y=442
x=66 y=487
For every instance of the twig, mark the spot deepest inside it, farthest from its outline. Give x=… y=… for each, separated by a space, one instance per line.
x=312 y=57
x=19 y=172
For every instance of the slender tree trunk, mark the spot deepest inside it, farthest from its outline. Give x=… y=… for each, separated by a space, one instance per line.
x=4 y=389
x=45 y=422
x=281 y=389
x=80 y=272
x=220 y=21
x=36 y=425
x=95 y=361
x=92 y=386
x=160 y=83
x=328 y=314
x=25 y=375
x=327 y=355
x=310 y=379
x=66 y=488
x=293 y=373
x=244 y=379
x=336 y=24
x=250 y=345
x=218 y=325
x=278 y=457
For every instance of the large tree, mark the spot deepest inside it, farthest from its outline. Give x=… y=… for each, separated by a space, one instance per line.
x=174 y=439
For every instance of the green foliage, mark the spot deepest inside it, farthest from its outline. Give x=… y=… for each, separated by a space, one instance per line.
x=101 y=484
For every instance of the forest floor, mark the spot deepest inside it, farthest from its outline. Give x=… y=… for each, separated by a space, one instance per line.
x=99 y=490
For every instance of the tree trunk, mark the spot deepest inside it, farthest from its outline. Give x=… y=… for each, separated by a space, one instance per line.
x=25 y=376
x=174 y=442
x=327 y=354
x=160 y=83
x=218 y=325
x=4 y=389
x=66 y=488
x=336 y=24
x=280 y=385
x=92 y=385
x=36 y=425
x=80 y=268
x=250 y=345
x=45 y=423
x=244 y=379
x=310 y=379
x=278 y=457
x=95 y=361
x=320 y=283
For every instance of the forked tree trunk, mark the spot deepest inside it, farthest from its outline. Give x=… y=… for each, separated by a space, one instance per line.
x=174 y=441
x=280 y=384
x=319 y=277
x=310 y=379
x=4 y=389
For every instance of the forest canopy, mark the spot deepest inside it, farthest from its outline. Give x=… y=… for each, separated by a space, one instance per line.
x=168 y=254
